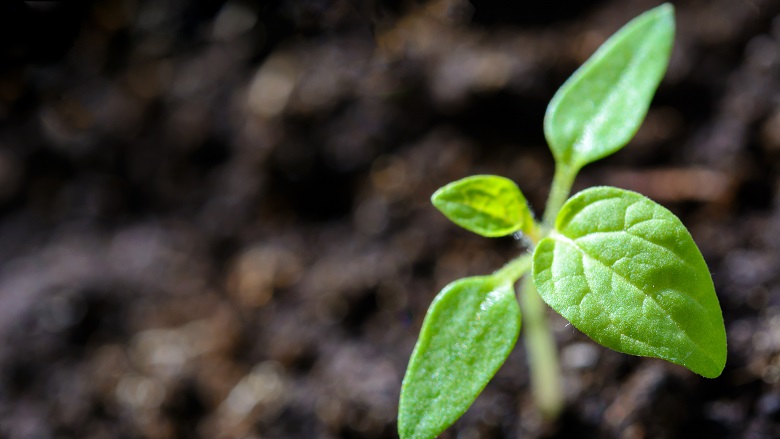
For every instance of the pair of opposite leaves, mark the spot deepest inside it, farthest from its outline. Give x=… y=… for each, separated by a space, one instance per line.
x=621 y=268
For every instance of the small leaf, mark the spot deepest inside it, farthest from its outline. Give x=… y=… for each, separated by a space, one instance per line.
x=488 y=205
x=600 y=107
x=470 y=329
x=626 y=272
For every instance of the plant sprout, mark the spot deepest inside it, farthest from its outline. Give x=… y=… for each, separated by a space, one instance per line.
x=621 y=268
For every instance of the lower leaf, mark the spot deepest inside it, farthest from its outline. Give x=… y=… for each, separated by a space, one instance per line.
x=470 y=329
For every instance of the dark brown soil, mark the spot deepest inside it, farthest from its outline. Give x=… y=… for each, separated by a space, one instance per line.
x=214 y=217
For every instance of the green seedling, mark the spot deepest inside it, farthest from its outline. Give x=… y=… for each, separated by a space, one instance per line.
x=618 y=266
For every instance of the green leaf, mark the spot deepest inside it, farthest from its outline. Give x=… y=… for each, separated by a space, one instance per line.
x=488 y=205
x=470 y=329
x=599 y=109
x=626 y=272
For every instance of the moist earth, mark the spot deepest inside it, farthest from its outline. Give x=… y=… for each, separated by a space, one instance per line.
x=215 y=217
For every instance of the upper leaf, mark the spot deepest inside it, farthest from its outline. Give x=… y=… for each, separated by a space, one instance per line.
x=470 y=329
x=488 y=205
x=626 y=272
x=600 y=107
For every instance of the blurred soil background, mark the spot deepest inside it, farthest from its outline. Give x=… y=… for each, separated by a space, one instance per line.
x=214 y=215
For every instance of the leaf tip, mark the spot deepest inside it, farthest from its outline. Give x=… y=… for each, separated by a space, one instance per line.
x=665 y=10
x=715 y=368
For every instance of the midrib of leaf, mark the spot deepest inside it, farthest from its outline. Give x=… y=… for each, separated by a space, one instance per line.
x=480 y=210
x=565 y=240
x=625 y=230
x=641 y=238
x=603 y=105
x=476 y=333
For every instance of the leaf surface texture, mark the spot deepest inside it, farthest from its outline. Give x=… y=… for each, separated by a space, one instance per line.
x=468 y=332
x=626 y=272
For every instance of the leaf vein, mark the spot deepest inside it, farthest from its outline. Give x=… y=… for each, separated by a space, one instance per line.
x=583 y=254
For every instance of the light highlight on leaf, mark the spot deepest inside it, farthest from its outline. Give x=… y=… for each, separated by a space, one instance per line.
x=470 y=329
x=601 y=106
x=488 y=205
x=626 y=272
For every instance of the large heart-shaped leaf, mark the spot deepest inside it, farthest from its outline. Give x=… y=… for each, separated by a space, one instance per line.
x=488 y=205
x=626 y=272
x=470 y=329
x=600 y=107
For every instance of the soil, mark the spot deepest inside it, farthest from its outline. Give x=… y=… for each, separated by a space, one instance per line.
x=214 y=216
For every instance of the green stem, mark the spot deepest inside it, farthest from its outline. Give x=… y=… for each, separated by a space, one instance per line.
x=559 y=192
x=514 y=269
x=542 y=354
x=546 y=381
x=546 y=384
